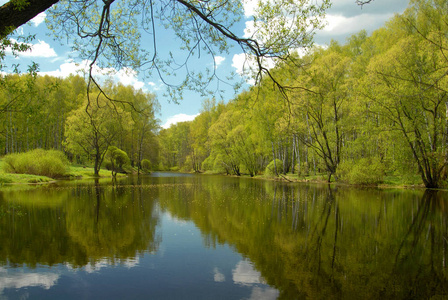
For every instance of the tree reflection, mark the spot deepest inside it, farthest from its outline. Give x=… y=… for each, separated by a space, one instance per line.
x=85 y=225
x=322 y=242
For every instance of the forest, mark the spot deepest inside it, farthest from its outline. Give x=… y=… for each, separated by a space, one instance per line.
x=357 y=113
x=53 y=113
x=373 y=107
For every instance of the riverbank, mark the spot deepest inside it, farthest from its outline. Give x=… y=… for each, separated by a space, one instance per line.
x=389 y=181
x=78 y=172
x=74 y=172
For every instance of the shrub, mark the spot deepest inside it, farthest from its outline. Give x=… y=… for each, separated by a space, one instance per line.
x=146 y=165
x=364 y=171
x=50 y=163
x=270 y=169
x=118 y=159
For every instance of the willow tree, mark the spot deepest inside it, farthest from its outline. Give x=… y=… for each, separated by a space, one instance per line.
x=410 y=85
x=322 y=107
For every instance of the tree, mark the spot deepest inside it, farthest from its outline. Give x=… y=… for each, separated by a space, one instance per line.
x=93 y=129
x=14 y=14
x=411 y=88
x=142 y=107
x=35 y=110
x=105 y=32
x=118 y=159
x=322 y=107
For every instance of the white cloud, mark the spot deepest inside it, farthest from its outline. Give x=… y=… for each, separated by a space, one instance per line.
x=247 y=67
x=41 y=49
x=219 y=60
x=249 y=7
x=341 y=25
x=249 y=30
x=37 y=20
x=178 y=118
x=126 y=76
x=243 y=67
x=154 y=86
x=66 y=69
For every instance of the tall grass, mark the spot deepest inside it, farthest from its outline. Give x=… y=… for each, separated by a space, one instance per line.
x=51 y=163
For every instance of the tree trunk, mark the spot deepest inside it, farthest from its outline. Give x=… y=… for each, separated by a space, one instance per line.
x=11 y=17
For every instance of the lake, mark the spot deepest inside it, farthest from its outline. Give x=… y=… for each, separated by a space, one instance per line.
x=174 y=236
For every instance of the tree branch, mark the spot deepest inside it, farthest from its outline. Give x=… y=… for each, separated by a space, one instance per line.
x=12 y=16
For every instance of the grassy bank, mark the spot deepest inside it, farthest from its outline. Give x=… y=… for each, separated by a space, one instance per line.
x=74 y=172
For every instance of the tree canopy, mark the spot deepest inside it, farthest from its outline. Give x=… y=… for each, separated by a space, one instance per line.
x=110 y=33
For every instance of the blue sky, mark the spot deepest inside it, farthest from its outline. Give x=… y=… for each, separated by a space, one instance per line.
x=343 y=19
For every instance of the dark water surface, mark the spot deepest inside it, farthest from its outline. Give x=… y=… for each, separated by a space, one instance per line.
x=168 y=236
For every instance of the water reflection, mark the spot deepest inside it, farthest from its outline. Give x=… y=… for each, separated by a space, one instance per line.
x=244 y=273
x=17 y=280
x=323 y=242
x=259 y=240
x=79 y=226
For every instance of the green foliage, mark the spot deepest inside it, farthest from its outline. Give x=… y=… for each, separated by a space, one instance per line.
x=118 y=159
x=363 y=171
x=303 y=169
x=51 y=163
x=270 y=169
x=146 y=165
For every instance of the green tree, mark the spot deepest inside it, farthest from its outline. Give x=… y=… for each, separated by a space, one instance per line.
x=118 y=159
x=92 y=129
x=322 y=107
x=411 y=88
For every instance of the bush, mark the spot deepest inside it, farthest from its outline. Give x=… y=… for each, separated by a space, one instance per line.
x=118 y=159
x=50 y=163
x=146 y=165
x=270 y=169
x=364 y=171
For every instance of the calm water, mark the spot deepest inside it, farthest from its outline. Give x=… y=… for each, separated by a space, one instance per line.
x=209 y=237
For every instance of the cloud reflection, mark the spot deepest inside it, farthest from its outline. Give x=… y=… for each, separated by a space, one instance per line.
x=245 y=274
x=21 y=280
x=267 y=293
x=218 y=276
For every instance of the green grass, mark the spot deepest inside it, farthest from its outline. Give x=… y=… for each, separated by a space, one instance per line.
x=75 y=171
x=21 y=178
x=392 y=180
